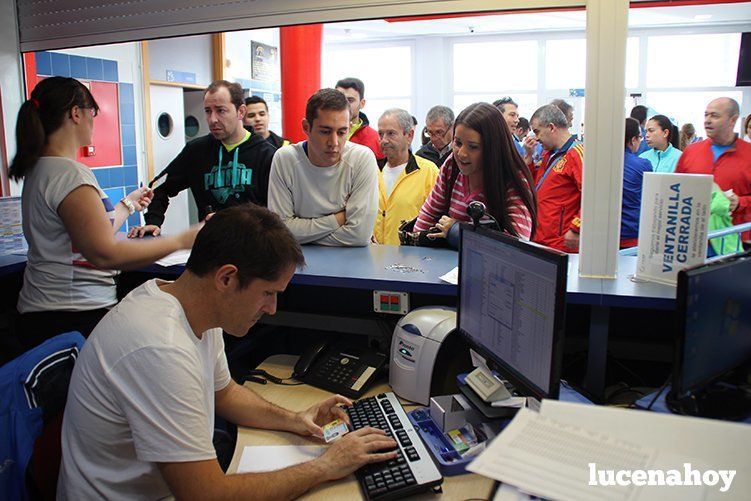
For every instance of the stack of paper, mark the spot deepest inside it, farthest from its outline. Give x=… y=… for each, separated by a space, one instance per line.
x=177 y=257
x=451 y=277
x=582 y=452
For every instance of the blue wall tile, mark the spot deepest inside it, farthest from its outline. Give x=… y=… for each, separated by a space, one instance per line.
x=115 y=194
x=130 y=176
x=94 y=68
x=109 y=70
x=102 y=177
x=44 y=65
x=127 y=114
x=129 y=155
x=130 y=189
x=128 y=135
x=126 y=93
x=78 y=67
x=60 y=64
x=116 y=177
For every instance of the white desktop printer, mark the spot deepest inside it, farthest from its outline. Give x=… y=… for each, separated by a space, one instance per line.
x=423 y=354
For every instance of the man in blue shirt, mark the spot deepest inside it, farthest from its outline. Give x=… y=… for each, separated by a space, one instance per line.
x=510 y=111
x=633 y=176
x=639 y=113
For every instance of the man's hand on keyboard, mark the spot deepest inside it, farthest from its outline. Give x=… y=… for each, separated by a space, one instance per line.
x=312 y=419
x=356 y=449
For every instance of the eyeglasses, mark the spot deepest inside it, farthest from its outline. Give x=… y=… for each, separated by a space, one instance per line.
x=436 y=133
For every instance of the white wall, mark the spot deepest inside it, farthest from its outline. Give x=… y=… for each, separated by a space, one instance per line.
x=237 y=50
x=192 y=54
x=238 y=60
x=11 y=81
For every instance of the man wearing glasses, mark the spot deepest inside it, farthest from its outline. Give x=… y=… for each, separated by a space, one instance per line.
x=439 y=125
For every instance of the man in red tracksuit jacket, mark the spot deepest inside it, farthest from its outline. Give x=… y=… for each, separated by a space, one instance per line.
x=558 y=179
x=360 y=131
x=724 y=155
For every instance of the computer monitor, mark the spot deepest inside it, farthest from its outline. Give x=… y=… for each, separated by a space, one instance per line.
x=511 y=307
x=713 y=338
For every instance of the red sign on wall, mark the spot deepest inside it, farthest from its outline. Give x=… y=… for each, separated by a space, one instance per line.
x=106 y=137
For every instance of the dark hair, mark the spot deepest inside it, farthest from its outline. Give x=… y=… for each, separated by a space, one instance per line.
x=255 y=100
x=687 y=132
x=252 y=238
x=236 y=92
x=352 y=83
x=523 y=124
x=325 y=99
x=502 y=164
x=502 y=102
x=665 y=124
x=639 y=112
x=632 y=130
x=44 y=113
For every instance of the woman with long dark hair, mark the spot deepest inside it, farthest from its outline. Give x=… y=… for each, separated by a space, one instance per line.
x=68 y=221
x=484 y=166
x=662 y=139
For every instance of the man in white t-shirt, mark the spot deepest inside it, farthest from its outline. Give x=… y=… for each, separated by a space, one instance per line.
x=326 y=189
x=140 y=412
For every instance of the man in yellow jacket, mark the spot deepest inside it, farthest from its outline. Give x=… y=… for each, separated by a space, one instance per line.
x=404 y=180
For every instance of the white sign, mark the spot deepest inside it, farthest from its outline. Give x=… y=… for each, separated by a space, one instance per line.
x=673 y=225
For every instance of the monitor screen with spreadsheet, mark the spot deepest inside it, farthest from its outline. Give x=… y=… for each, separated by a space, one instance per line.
x=511 y=307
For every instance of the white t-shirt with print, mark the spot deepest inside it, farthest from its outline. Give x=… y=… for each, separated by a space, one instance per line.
x=142 y=392
x=57 y=277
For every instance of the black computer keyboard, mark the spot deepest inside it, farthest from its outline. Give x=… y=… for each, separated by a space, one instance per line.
x=413 y=470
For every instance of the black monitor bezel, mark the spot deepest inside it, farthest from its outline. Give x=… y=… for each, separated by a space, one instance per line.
x=678 y=390
x=560 y=260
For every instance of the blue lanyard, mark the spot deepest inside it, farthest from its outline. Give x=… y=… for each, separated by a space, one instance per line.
x=553 y=160
x=234 y=164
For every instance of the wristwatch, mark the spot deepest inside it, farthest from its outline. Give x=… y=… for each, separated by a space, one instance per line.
x=127 y=203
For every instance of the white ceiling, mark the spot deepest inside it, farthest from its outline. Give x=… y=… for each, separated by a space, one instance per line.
x=691 y=16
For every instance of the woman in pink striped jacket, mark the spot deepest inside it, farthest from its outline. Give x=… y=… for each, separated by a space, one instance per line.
x=484 y=166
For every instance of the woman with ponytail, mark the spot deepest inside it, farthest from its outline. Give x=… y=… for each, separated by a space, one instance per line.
x=68 y=221
x=662 y=139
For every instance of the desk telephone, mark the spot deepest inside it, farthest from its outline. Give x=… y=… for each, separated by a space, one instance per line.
x=347 y=370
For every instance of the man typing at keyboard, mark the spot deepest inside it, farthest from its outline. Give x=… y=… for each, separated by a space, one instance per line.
x=140 y=412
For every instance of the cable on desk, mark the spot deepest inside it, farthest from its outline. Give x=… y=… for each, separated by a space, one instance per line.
x=264 y=376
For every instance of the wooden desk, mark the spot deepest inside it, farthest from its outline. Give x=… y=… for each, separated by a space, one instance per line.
x=303 y=396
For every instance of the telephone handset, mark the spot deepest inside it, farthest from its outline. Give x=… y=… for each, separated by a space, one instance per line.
x=306 y=360
x=347 y=370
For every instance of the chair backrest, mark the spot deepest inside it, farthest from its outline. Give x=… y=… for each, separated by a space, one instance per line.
x=33 y=391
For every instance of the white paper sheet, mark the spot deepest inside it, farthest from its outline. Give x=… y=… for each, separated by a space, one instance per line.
x=545 y=457
x=259 y=458
x=451 y=277
x=177 y=257
x=719 y=445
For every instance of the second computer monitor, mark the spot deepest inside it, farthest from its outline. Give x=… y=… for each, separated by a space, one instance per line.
x=714 y=336
x=511 y=307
